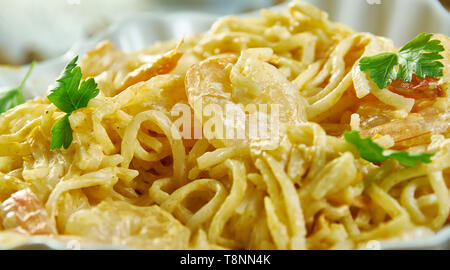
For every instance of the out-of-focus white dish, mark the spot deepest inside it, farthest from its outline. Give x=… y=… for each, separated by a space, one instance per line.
x=399 y=20
x=129 y=35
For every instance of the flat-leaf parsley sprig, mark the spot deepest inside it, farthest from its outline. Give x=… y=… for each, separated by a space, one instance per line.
x=420 y=56
x=372 y=152
x=70 y=95
x=14 y=97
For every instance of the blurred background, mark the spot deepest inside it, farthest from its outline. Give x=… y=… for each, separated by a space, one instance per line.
x=44 y=29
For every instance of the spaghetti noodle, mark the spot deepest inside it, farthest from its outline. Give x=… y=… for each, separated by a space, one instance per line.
x=129 y=179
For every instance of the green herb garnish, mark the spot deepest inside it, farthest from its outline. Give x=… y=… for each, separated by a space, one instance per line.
x=372 y=152
x=14 y=97
x=419 y=56
x=70 y=95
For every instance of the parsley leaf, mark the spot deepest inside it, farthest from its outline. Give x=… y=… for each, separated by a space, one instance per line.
x=14 y=97
x=61 y=134
x=419 y=56
x=372 y=152
x=70 y=95
x=382 y=68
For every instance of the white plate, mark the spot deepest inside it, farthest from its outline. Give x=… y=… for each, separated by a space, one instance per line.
x=399 y=20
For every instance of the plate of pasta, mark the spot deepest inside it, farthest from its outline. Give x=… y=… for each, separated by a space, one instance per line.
x=278 y=130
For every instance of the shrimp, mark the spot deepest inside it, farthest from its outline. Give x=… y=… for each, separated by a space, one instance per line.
x=414 y=130
x=426 y=88
x=232 y=83
x=24 y=212
x=161 y=64
x=103 y=57
x=114 y=71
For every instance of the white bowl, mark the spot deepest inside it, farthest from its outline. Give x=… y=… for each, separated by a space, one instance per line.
x=399 y=20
